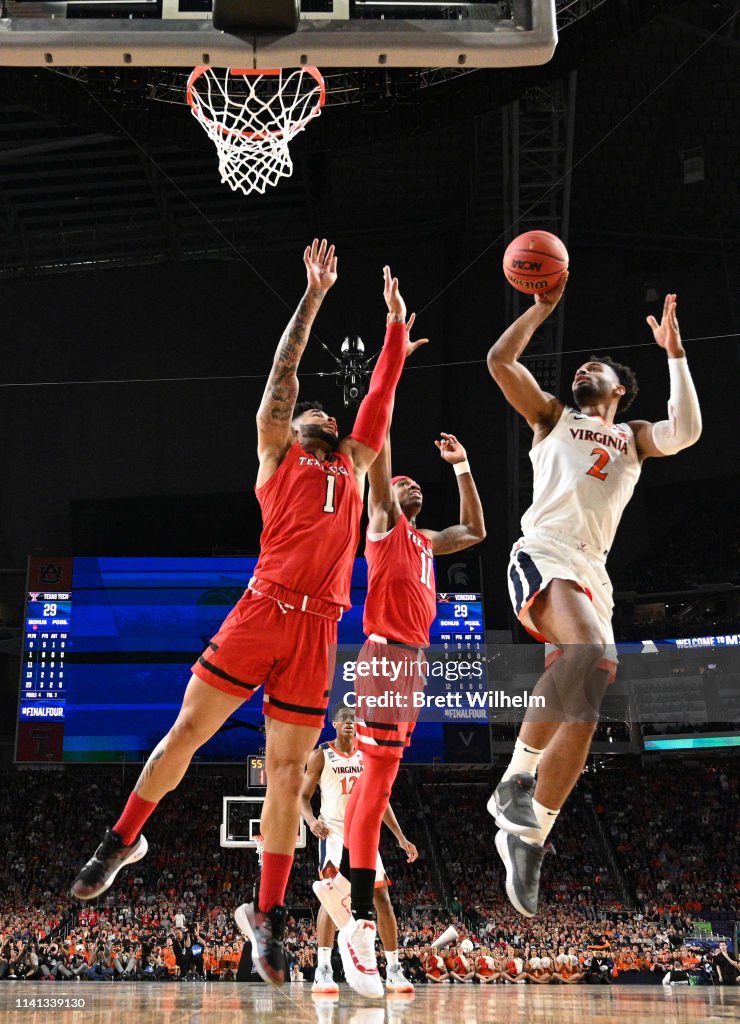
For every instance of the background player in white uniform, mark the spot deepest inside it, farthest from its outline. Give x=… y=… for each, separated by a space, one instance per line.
x=585 y=469
x=335 y=767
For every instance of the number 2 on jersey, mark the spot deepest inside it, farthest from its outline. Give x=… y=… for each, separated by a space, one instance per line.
x=331 y=483
x=427 y=564
x=595 y=470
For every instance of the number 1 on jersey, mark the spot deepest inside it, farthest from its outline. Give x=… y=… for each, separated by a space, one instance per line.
x=331 y=483
x=427 y=564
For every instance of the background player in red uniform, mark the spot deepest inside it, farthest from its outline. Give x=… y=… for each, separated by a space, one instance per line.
x=400 y=608
x=281 y=632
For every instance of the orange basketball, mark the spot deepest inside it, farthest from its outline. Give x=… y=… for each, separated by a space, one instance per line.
x=535 y=261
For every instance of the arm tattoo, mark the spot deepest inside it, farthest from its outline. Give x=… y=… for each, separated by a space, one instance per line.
x=280 y=394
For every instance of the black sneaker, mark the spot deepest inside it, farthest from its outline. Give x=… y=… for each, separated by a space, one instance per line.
x=265 y=932
x=523 y=863
x=100 y=871
x=511 y=806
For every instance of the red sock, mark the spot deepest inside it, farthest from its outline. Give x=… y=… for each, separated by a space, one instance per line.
x=378 y=777
x=133 y=818
x=274 y=880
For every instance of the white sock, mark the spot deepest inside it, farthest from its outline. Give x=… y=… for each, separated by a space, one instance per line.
x=324 y=956
x=391 y=957
x=546 y=818
x=524 y=759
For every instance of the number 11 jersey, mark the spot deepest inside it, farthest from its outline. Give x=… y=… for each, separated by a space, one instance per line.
x=401 y=599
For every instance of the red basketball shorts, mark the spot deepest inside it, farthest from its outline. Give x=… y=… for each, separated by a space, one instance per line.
x=291 y=652
x=395 y=671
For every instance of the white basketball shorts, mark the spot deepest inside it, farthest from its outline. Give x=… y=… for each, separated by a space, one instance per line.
x=543 y=556
x=330 y=853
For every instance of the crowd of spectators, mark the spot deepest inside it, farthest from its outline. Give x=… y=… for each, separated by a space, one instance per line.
x=578 y=877
x=674 y=832
x=705 y=550
x=621 y=898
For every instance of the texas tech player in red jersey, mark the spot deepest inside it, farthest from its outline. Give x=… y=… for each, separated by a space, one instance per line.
x=400 y=607
x=401 y=587
x=280 y=634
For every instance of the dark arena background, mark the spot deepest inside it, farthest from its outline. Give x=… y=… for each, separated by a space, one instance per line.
x=142 y=301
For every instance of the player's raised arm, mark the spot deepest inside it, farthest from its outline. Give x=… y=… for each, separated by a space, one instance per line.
x=383 y=505
x=314 y=769
x=472 y=528
x=274 y=416
x=520 y=388
x=683 y=426
x=371 y=425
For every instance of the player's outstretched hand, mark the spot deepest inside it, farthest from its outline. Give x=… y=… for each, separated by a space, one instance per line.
x=547 y=301
x=321 y=265
x=666 y=333
x=411 y=346
x=393 y=300
x=319 y=828
x=450 y=449
x=409 y=849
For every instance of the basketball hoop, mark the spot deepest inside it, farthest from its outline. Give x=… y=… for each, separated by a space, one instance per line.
x=259 y=845
x=251 y=115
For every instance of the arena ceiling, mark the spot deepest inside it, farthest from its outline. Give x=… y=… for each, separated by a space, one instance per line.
x=106 y=167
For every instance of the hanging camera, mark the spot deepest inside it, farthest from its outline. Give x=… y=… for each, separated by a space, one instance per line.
x=354 y=374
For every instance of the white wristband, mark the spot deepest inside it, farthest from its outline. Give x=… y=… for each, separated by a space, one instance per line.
x=461 y=468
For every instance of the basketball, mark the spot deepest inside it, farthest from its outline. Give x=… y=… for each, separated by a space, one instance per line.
x=535 y=261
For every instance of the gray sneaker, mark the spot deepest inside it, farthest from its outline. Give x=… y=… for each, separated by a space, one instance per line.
x=511 y=806
x=523 y=863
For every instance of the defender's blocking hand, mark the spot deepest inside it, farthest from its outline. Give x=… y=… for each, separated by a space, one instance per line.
x=450 y=449
x=393 y=300
x=321 y=265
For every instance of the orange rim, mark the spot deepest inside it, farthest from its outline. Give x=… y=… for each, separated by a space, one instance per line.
x=201 y=69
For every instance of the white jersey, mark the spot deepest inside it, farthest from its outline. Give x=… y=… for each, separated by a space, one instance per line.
x=584 y=475
x=338 y=776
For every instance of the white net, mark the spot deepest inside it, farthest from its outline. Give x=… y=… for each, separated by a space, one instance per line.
x=259 y=845
x=252 y=116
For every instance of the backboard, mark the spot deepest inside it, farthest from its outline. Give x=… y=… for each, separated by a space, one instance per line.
x=240 y=823
x=330 y=34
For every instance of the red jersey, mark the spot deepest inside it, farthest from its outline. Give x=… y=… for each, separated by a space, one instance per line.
x=311 y=523
x=401 y=597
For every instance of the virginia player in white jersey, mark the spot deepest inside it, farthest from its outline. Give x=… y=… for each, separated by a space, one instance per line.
x=335 y=767
x=585 y=470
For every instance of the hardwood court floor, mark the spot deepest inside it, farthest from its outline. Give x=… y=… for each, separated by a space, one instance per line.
x=231 y=1003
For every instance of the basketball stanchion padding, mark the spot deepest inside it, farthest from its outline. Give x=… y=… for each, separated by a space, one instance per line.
x=256 y=15
x=251 y=115
x=448 y=936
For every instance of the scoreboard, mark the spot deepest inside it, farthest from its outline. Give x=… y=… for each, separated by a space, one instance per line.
x=48 y=617
x=256 y=771
x=459 y=623
x=109 y=643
